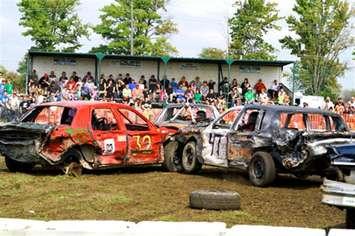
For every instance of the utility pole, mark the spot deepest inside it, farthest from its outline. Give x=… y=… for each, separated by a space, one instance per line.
x=131 y=37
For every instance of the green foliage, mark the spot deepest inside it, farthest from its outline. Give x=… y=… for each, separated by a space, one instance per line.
x=150 y=30
x=322 y=33
x=293 y=78
x=16 y=79
x=212 y=53
x=52 y=24
x=252 y=20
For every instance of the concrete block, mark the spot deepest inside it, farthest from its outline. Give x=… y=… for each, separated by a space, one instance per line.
x=82 y=228
x=255 y=230
x=160 y=228
x=341 y=232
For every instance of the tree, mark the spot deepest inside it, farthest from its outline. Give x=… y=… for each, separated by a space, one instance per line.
x=321 y=28
x=252 y=20
x=212 y=53
x=14 y=78
x=150 y=30
x=52 y=24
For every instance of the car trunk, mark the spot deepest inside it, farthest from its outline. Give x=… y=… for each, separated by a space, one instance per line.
x=299 y=149
x=23 y=141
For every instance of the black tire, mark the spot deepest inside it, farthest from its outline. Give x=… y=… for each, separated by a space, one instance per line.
x=172 y=162
x=214 y=200
x=350 y=218
x=16 y=166
x=189 y=161
x=262 y=171
x=71 y=165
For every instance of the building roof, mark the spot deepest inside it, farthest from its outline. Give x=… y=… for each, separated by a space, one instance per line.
x=157 y=58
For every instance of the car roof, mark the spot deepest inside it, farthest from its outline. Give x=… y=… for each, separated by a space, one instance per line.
x=289 y=109
x=80 y=104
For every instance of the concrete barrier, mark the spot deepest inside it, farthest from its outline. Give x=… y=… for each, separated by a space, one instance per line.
x=341 y=232
x=21 y=227
x=160 y=228
x=255 y=230
x=85 y=228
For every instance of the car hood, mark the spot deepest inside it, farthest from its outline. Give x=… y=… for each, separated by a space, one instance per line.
x=23 y=131
x=23 y=141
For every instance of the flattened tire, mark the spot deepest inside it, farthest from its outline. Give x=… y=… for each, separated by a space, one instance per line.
x=350 y=218
x=262 y=171
x=71 y=165
x=214 y=200
x=189 y=161
x=16 y=166
x=172 y=162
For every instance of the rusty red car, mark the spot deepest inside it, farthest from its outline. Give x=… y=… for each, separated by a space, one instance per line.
x=77 y=135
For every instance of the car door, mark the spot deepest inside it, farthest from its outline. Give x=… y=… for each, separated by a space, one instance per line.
x=111 y=138
x=242 y=140
x=143 y=138
x=215 y=139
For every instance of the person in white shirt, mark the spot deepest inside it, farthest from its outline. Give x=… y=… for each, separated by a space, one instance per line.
x=329 y=105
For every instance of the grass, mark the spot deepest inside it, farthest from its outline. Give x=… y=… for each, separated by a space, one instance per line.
x=138 y=194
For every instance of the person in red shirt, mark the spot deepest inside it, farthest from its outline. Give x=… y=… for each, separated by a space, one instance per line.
x=259 y=87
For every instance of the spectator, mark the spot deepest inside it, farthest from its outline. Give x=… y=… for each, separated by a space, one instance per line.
x=153 y=84
x=102 y=86
x=52 y=76
x=259 y=87
x=88 y=77
x=44 y=82
x=249 y=96
x=211 y=85
x=329 y=105
x=281 y=97
x=9 y=88
x=274 y=90
x=339 y=106
x=164 y=83
x=183 y=84
x=245 y=86
x=174 y=85
x=204 y=90
x=126 y=93
x=74 y=77
x=198 y=96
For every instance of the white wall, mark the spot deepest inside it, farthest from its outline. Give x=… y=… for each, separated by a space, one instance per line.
x=113 y=66
x=206 y=71
x=43 y=64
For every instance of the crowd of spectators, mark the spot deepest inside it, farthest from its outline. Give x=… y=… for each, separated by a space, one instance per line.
x=143 y=91
x=133 y=91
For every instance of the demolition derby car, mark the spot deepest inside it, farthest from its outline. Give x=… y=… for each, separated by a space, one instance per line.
x=262 y=140
x=72 y=135
x=341 y=193
x=183 y=118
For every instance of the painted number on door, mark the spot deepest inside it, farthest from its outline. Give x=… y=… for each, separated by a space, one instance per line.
x=219 y=145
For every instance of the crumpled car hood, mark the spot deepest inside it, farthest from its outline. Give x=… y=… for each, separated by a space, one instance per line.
x=22 y=141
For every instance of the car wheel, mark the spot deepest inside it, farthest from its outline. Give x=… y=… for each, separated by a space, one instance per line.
x=189 y=161
x=16 y=166
x=172 y=162
x=350 y=218
x=262 y=171
x=214 y=200
x=72 y=166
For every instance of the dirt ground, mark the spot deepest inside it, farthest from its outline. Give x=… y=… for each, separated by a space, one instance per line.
x=138 y=194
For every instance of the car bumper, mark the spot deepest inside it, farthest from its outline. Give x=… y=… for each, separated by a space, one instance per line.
x=338 y=194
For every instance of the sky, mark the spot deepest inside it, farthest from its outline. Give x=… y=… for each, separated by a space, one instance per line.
x=201 y=23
